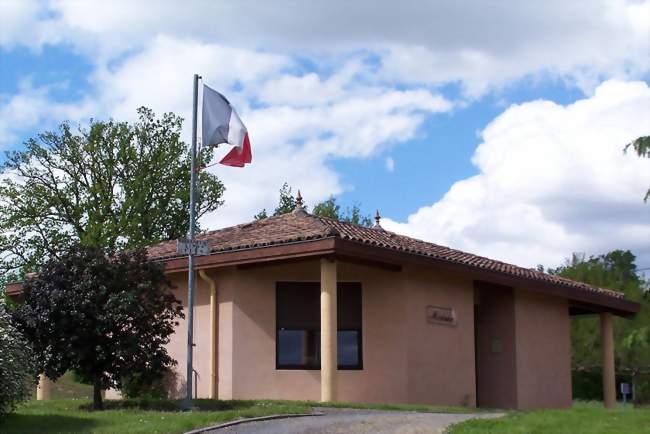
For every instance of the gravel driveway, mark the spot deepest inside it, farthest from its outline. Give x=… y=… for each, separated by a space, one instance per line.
x=345 y=421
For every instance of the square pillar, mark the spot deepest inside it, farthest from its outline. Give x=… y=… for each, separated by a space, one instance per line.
x=44 y=388
x=607 y=347
x=328 y=330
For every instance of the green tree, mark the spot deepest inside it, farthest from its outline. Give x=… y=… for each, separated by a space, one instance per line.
x=614 y=270
x=642 y=148
x=261 y=215
x=328 y=208
x=287 y=202
x=17 y=371
x=353 y=215
x=104 y=317
x=114 y=185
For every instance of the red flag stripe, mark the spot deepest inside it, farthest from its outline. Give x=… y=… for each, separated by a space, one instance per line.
x=238 y=156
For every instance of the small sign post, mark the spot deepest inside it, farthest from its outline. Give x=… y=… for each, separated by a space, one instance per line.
x=625 y=390
x=196 y=247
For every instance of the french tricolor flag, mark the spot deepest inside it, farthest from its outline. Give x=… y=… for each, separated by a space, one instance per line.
x=221 y=124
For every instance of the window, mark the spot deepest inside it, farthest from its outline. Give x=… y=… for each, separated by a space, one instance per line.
x=298 y=325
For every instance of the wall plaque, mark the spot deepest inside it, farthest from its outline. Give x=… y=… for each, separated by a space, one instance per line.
x=441 y=315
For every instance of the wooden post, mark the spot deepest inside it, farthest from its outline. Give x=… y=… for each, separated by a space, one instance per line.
x=607 y=346
x=44 y=388
x=328 y=330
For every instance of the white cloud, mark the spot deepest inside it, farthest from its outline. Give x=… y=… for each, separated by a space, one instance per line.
x=22 y=22
x=32 y=106
x=491 y=46
x=481 y=45
x=390 y=164
x=552 y=180
x=160 y=75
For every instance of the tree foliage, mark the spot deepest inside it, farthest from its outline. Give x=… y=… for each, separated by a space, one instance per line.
x=17 y=372
x=614 y=270
x=114 y=185
x=102 y=316
x=642 y=148
x=287 y=202
x=328 y=208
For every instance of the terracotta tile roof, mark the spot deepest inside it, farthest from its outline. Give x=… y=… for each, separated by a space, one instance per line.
x=301 y=226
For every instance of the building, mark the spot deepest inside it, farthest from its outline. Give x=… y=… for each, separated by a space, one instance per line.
x=281 y=302
x=417 y=322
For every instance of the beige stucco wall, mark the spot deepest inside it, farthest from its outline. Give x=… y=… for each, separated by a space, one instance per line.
x=441 y=357
x=178 y=345
x=405 y=358
x=543 y=351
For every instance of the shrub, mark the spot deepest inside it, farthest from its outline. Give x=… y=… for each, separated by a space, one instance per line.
x=103 y=316
x=148 y=386
x=642 y=390
x=587 y=385
x=17 y=377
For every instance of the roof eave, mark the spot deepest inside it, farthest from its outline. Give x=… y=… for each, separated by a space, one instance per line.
x=617 y=305
x=270 y=253
x=381 y=255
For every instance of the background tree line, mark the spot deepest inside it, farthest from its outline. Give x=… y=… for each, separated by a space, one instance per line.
x=615 y=270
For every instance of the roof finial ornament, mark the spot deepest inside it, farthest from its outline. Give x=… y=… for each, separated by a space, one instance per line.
x=377 y=220
x=299 y=204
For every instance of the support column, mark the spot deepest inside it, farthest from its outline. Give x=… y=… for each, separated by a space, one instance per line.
x=44 y=388
x=328 y=329
x=607 y=346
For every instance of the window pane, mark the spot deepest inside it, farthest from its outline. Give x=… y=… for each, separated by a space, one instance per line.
x=298 y=348
x=348 y=348
x=290 y=347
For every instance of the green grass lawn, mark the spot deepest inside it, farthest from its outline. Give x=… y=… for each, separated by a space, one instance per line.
x=153 y=416
x=160 y=416
x=72 y=416
x=583 y=418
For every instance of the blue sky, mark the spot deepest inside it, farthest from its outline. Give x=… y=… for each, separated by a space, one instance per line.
x=440 y=154
x=493 y=128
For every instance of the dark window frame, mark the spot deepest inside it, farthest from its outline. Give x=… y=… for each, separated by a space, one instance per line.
x=306 y=367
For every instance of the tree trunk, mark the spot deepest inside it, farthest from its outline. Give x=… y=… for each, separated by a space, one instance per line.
x=97 y=396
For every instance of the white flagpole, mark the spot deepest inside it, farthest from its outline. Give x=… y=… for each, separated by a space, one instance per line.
x=187 y=403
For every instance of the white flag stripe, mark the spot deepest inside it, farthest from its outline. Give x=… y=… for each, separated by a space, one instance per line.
x=236 y=130
x=216 y=118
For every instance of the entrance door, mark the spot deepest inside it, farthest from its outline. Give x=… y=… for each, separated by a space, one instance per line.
x=494 y=346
